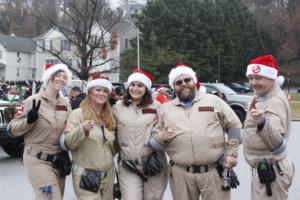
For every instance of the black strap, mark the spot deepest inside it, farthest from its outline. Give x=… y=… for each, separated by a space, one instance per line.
x=269 y=190
x=102 y=128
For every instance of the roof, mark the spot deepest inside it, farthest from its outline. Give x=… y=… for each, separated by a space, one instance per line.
x=14 y=43
x=121 y=26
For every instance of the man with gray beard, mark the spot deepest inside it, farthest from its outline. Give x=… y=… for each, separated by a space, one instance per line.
x=192 y=131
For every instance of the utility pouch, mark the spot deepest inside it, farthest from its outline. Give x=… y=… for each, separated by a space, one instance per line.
x=90 y=180
x=62 y=163
x=151 y=165
x=266 y=174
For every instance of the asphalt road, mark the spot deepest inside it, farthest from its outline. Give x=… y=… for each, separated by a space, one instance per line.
x=14 y=185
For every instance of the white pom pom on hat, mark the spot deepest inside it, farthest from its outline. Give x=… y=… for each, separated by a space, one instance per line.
x=141 y=76
x=52 y=69
x=265 y=66
x=179 y=70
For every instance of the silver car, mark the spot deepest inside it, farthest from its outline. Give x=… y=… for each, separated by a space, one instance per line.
x=238 y=102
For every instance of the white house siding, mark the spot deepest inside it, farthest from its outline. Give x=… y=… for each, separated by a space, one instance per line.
x=25 y=64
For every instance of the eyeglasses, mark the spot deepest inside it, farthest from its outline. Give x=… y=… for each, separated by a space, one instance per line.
x=180 y=82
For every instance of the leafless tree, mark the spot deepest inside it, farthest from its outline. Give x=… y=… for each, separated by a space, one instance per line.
x=87 y=25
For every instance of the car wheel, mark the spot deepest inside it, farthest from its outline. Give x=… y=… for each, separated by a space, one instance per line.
x=240 y=113
x=14 y=150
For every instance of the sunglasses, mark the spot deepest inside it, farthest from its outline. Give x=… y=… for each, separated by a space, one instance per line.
x=180 y=82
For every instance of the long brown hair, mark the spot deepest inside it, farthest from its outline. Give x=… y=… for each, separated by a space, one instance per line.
x=146 y=99
x=106 y=117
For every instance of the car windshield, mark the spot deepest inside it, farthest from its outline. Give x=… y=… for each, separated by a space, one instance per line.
x=226 y=90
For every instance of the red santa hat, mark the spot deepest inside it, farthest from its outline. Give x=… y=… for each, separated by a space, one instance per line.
x=265 y=66
x=52 y=69
x=179 y=70
x=101 y=81
x=141 y=76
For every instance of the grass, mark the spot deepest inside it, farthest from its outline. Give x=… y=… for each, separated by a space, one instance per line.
x=295 y=105
x=295 y=96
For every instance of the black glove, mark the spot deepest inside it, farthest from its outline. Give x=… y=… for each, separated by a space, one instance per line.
x=234 y=181
x=33 y=114
x=151 y=165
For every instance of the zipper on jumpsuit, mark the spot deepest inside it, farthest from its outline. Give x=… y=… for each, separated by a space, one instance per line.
x=188 y=114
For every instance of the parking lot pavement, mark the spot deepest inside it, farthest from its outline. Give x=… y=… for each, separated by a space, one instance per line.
x=14 y=184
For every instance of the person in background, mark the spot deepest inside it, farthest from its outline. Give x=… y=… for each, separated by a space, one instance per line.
x=90 y=135
x=76 y=97
x=142 y=171
x=41 y=120
x=163 y=95
x=267 y=131
x=192 y=132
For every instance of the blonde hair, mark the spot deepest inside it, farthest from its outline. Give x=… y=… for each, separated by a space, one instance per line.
x=106 y=117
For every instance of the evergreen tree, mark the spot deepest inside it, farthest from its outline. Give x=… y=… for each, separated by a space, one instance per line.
x=193 y=31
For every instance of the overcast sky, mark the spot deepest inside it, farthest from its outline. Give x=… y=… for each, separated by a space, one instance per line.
x=115 y=3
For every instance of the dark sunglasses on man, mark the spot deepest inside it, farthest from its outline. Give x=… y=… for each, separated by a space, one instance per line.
x=180 y=82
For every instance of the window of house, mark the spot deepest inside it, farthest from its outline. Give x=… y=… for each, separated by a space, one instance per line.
x=70 y=62
x=126 y=43
x=65 y=45
x=52 y=61
x=47 y=44
x=18 y=72
x=33 y=72
x=0 y=54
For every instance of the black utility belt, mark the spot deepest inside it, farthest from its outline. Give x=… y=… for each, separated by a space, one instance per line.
x=41 y=155
x=195 y=169
x=60 y=161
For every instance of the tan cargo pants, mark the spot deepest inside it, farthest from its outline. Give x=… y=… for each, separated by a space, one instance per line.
x=106 y=187
x=133 y=188
x=41 y=174
x=279 y=187
x=186 y=185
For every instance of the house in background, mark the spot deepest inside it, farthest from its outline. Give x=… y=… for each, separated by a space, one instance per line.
x=23 y=59
x=17 y=58
x=124 y=31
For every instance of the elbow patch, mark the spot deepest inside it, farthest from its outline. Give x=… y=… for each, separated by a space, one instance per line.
x=155 y=145
x=280 y=148
x=235 y=133
x=62 y=142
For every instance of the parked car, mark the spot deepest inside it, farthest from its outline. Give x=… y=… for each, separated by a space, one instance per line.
x=238 y=102
x=298 y=90
x=11 y=146
x=239 y=88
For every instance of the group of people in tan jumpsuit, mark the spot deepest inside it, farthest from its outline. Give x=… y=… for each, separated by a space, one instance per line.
x=199 y=132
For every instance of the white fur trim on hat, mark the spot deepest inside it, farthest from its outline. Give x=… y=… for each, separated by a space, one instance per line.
x=100 y=82
x=262 y=70
x=136 y=76
x=53 y=69
x=176 y=72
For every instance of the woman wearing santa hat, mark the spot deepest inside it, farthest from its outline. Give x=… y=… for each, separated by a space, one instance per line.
x=142 y=171
x=90 y=135
x=41 y=120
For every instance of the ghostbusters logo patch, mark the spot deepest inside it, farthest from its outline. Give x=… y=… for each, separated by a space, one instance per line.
x=256 y=69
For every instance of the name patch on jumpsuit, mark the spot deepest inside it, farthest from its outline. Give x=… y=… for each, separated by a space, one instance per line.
x=61 y=108
x=149 y=110
x=206 y=109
